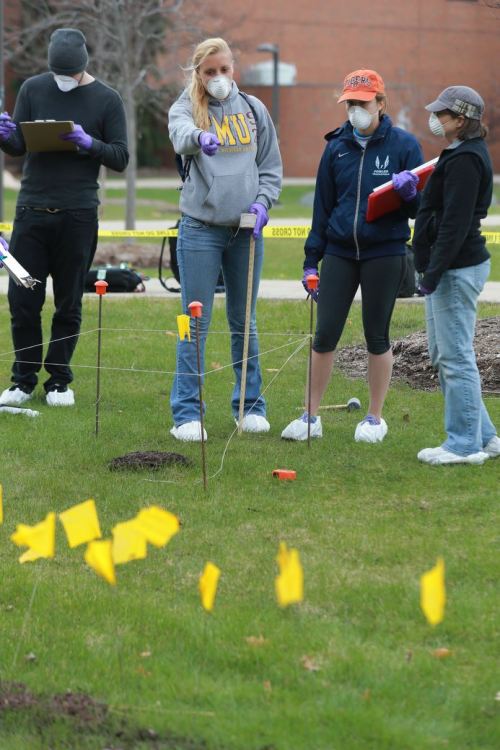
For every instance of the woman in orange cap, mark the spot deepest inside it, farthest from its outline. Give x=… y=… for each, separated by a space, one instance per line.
x=359 y=155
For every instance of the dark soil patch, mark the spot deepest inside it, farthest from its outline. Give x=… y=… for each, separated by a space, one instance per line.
x=86 y=718
x=412 y=363
x=149 y=460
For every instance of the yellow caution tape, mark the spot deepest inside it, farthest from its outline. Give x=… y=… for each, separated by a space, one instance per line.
x=285 y=232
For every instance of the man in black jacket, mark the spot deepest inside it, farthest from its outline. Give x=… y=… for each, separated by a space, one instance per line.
x=55 y=228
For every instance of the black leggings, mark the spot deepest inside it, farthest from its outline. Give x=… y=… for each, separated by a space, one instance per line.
x=380 y=279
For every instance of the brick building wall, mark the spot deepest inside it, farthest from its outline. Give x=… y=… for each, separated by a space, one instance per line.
x=418 y=46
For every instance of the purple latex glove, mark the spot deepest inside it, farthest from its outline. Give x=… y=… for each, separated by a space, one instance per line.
x=262 y=217
x=3 y=246
x=209 y=143
x=79 y=137
x=310 y=272
x=7 y=127
x=405 y=184
x=423 y=291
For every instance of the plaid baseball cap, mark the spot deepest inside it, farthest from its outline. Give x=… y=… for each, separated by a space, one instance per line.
x=459 y=99
x=363 y=85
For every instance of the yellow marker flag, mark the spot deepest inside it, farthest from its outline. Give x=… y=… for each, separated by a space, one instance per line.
x=129 y=543
x=208 y=585
x=29 y=556
x=290 y=581
x=1 y=504
x=99 y=556
x=183 y=326
x=41 y=538
x=157 y=525
x=81 y=523
x=433 y=593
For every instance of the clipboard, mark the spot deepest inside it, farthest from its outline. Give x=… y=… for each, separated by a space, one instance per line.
x=384 y=199
x=43 y=135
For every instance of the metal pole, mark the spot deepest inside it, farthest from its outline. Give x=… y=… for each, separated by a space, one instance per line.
x=200 y=396
x=276 y=90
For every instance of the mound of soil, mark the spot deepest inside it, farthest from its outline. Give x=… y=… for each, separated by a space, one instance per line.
x=412 y=363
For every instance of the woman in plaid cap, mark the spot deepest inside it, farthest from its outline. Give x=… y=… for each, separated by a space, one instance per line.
x=451 y=253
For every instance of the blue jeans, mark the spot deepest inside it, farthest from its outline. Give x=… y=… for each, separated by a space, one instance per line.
x=201 y=252
x=451 y=319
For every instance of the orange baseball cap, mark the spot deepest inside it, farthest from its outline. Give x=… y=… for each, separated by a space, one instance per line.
x=363 y=85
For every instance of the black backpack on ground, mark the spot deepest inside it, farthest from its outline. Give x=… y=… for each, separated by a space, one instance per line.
x=119 y=278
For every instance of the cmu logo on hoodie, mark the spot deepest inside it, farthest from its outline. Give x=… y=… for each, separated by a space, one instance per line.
x=234 y=131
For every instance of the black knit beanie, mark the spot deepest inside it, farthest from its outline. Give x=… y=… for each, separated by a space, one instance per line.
x=67 y=52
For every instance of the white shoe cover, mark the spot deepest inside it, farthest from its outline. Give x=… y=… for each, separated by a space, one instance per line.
x=66 y=398
x=189 y=432
x=297 y=430
x=370 y=433
x=254 y=423
x=441 y=457
x=14 y=397
x=492 y=447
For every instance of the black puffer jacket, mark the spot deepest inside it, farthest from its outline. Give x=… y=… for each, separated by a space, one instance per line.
x=457 y=196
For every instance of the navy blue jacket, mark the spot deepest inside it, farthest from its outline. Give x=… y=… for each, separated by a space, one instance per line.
x=347 y=174
x=448 y=224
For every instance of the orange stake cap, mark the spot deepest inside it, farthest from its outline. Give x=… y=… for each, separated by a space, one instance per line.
x=101 y=287
x=195 y=309
x=312 y=282
x=284 y=473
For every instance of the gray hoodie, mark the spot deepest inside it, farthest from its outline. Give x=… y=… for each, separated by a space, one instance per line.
x=246 y=169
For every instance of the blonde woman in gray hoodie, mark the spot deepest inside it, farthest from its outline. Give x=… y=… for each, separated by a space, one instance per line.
x=232 y=165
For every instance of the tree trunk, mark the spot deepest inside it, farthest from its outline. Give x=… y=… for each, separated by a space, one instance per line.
x=132 y=165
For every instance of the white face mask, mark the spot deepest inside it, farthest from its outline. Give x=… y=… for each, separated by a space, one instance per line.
x=219 y=87
x=436 y=126
x=360 y=118
x=65 y=83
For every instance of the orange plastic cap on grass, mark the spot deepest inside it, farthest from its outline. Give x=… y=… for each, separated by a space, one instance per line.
x=284 y=473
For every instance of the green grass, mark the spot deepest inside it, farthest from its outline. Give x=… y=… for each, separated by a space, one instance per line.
x=367 y=521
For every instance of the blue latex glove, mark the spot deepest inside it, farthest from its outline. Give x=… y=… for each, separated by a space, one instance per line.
x=3 y=246
x=79 y=137
x=209 y=143
x=405 y=184
x=262 y=217
x=7 y=126
x=311 y=272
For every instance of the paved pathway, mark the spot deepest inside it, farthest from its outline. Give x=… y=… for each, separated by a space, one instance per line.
x=269 y=289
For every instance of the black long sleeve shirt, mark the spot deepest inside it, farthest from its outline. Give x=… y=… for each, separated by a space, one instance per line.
x=68 y=179
x=448 y=225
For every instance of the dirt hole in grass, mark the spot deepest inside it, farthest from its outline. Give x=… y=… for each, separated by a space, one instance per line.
x=86 y=716
x=412 y=363
x=149 y=460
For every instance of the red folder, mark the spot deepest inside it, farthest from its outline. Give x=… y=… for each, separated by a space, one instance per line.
x=384 y=198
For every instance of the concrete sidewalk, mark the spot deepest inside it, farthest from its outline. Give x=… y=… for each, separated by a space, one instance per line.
x=268 y=289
